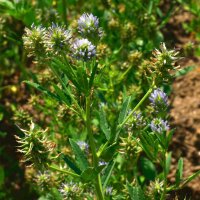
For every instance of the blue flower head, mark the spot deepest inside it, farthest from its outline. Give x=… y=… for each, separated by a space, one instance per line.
x=88 y=26
x=158 y=125
x=159 y=100
x=83 y=146
x=83 y=49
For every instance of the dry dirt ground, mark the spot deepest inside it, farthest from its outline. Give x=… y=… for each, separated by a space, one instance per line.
x=185 y=111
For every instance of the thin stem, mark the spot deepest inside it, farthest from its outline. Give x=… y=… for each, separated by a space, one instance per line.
x=98 y=184
x=63 y=171
x=134 y=109
x=64 y=11
x=165 y=176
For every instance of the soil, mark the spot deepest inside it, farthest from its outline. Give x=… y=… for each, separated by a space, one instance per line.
x=185 y=111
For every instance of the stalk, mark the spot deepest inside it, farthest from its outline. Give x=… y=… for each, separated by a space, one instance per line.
x=98 y=184
x=64 y=11
x=134 y=109
x=163 y=196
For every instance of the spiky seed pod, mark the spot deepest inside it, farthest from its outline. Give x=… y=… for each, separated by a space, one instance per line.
x=22 y=117
x=155 y=189
x=58 y=39
x=35 y=147
x=34 y=41
x=88 y=27
x=83 y=49
x=129 y=147
x=70 y=191
x=134 y=57
x=128 y=32
x=163 y=63
x=158 y=125
x=159 y=100
x=44 y=180
x=103 y=51
x=164 y=56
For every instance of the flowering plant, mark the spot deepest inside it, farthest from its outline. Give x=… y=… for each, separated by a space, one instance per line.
x=134 y=139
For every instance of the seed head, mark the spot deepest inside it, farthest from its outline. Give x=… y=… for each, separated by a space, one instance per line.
x=57 y=39
x=34 y=40
x=70 y=191
x=35 y=146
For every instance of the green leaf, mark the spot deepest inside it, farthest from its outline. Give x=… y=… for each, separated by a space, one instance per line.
x=109 y=152
x=104 y=124
x=107 y=173
x=190 y=178
x=2 y=176
x=93 y=74
x=169 y=137
x=71 y=164
x=63 y=96
x=124 y=110
x=179 y=171
x=135 y=193
x=148 y=168
x=80 y=156
x=43 y=90
x=184 y=71
x=91 y=173
x=168 y=162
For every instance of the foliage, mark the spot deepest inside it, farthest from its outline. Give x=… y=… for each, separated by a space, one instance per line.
x=102 y=78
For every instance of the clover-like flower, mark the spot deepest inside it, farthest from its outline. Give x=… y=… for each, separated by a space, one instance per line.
x=70 y=191
x=83 y=146
x=88 y=26
x=57 y=39
x=138 y=121
x=34 y=41
x=159 y=100
x=158 y=125
x=83 y=49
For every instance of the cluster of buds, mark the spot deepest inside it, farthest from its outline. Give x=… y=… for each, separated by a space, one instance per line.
x=35 y=146
x=57 y=40
x=159 y=100
x=129 y=147
x=34 y=41
x=83 y=49
x=159 y=125
x=159 y=103
x=44 y=180
x=70 y=191
x=155 y=188
x=88 y=27
x=138 y=122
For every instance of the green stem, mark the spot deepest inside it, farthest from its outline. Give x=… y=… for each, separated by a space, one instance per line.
x=98 y=184
x=64 y=11
x=163 y=196
x=63 y=171
x=134 y=109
